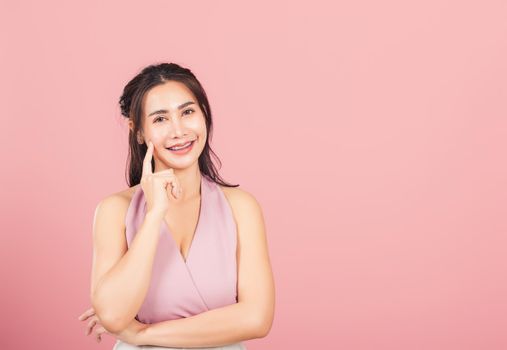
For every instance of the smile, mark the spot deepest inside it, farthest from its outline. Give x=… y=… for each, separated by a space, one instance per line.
x=182 y=150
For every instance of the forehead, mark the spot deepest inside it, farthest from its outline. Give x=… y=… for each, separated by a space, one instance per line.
x=168 y=95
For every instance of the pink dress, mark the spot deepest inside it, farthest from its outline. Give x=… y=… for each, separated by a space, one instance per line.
x=207 y=279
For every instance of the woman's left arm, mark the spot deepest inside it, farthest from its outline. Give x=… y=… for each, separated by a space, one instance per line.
x=252 y=316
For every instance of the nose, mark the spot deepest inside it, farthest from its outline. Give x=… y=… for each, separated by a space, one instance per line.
x=177 y=128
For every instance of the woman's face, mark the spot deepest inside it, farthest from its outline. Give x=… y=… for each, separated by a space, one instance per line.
x=171 y=115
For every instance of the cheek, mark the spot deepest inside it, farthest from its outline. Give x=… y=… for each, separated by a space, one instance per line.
x=202 y=133
x=156 y=133
x=158 y=138
x=198 y=126
x=202 y=126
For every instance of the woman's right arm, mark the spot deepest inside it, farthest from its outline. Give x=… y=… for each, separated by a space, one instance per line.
x=121 y=276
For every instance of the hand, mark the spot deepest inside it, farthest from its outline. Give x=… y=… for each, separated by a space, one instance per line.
x=160 y=186
x=128 y=335
x=94 y=320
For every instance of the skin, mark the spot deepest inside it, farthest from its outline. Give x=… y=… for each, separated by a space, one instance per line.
x=175 y=126
x=181 y=207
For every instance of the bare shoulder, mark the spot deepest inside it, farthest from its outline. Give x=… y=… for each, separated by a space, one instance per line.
x=126 y=194
x=239 y=197
x=243 y=203
x=117 y=203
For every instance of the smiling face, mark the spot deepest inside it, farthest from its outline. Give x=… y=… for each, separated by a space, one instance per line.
x=171 y=116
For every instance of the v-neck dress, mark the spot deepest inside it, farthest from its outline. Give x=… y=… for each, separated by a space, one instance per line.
x=207 y=279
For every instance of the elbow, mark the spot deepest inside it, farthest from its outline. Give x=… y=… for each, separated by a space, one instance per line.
x=115 y=327
x=260 y=320
x=262 y=326
x=263 y=330
x=111 y=324
x=109 y=321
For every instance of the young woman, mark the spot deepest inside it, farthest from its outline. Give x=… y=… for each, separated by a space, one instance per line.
x=180 y=257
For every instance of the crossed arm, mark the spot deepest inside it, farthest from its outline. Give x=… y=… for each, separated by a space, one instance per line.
x=252 y=316
x=216 y=327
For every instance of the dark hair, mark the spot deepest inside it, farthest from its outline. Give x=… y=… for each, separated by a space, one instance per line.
x=131 y=107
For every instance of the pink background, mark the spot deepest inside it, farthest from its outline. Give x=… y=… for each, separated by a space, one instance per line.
x=373 y=133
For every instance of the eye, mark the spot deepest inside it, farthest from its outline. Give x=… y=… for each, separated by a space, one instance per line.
x=157 y=119
x=187 y=110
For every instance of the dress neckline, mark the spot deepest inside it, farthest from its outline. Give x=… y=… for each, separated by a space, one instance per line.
x=195 y=236
x=197 y=227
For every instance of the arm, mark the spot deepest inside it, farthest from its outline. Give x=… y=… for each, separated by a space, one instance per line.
x=213 y=328
x=252 y=316
x=120 y=277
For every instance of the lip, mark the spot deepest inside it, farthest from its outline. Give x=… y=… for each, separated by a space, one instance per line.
x=181 y=143
x=184 y=150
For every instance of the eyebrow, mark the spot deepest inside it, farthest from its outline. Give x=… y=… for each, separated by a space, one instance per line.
x=162 y=111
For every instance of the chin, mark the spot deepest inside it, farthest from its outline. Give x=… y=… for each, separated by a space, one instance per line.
x=183 y=164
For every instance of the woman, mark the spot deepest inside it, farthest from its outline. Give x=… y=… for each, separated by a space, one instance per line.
x=180 y=257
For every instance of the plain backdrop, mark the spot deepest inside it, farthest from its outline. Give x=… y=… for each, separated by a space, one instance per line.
x=373 y=133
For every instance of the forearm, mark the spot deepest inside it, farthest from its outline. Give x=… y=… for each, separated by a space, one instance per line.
x=216 y=327
x=121 y=292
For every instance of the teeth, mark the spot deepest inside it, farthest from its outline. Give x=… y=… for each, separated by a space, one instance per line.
x=182 y=146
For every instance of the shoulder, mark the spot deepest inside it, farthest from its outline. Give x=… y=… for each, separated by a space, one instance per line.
x=116 y=203
x=244 y=205
x=239 y=197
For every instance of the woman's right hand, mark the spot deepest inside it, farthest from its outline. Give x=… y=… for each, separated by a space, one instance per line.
x=157 y=187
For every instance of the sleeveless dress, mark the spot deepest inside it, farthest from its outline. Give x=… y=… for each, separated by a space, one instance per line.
x=205 y=280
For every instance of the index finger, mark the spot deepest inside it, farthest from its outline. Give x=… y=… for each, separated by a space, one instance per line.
x=86 y=314
x=147 y=159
